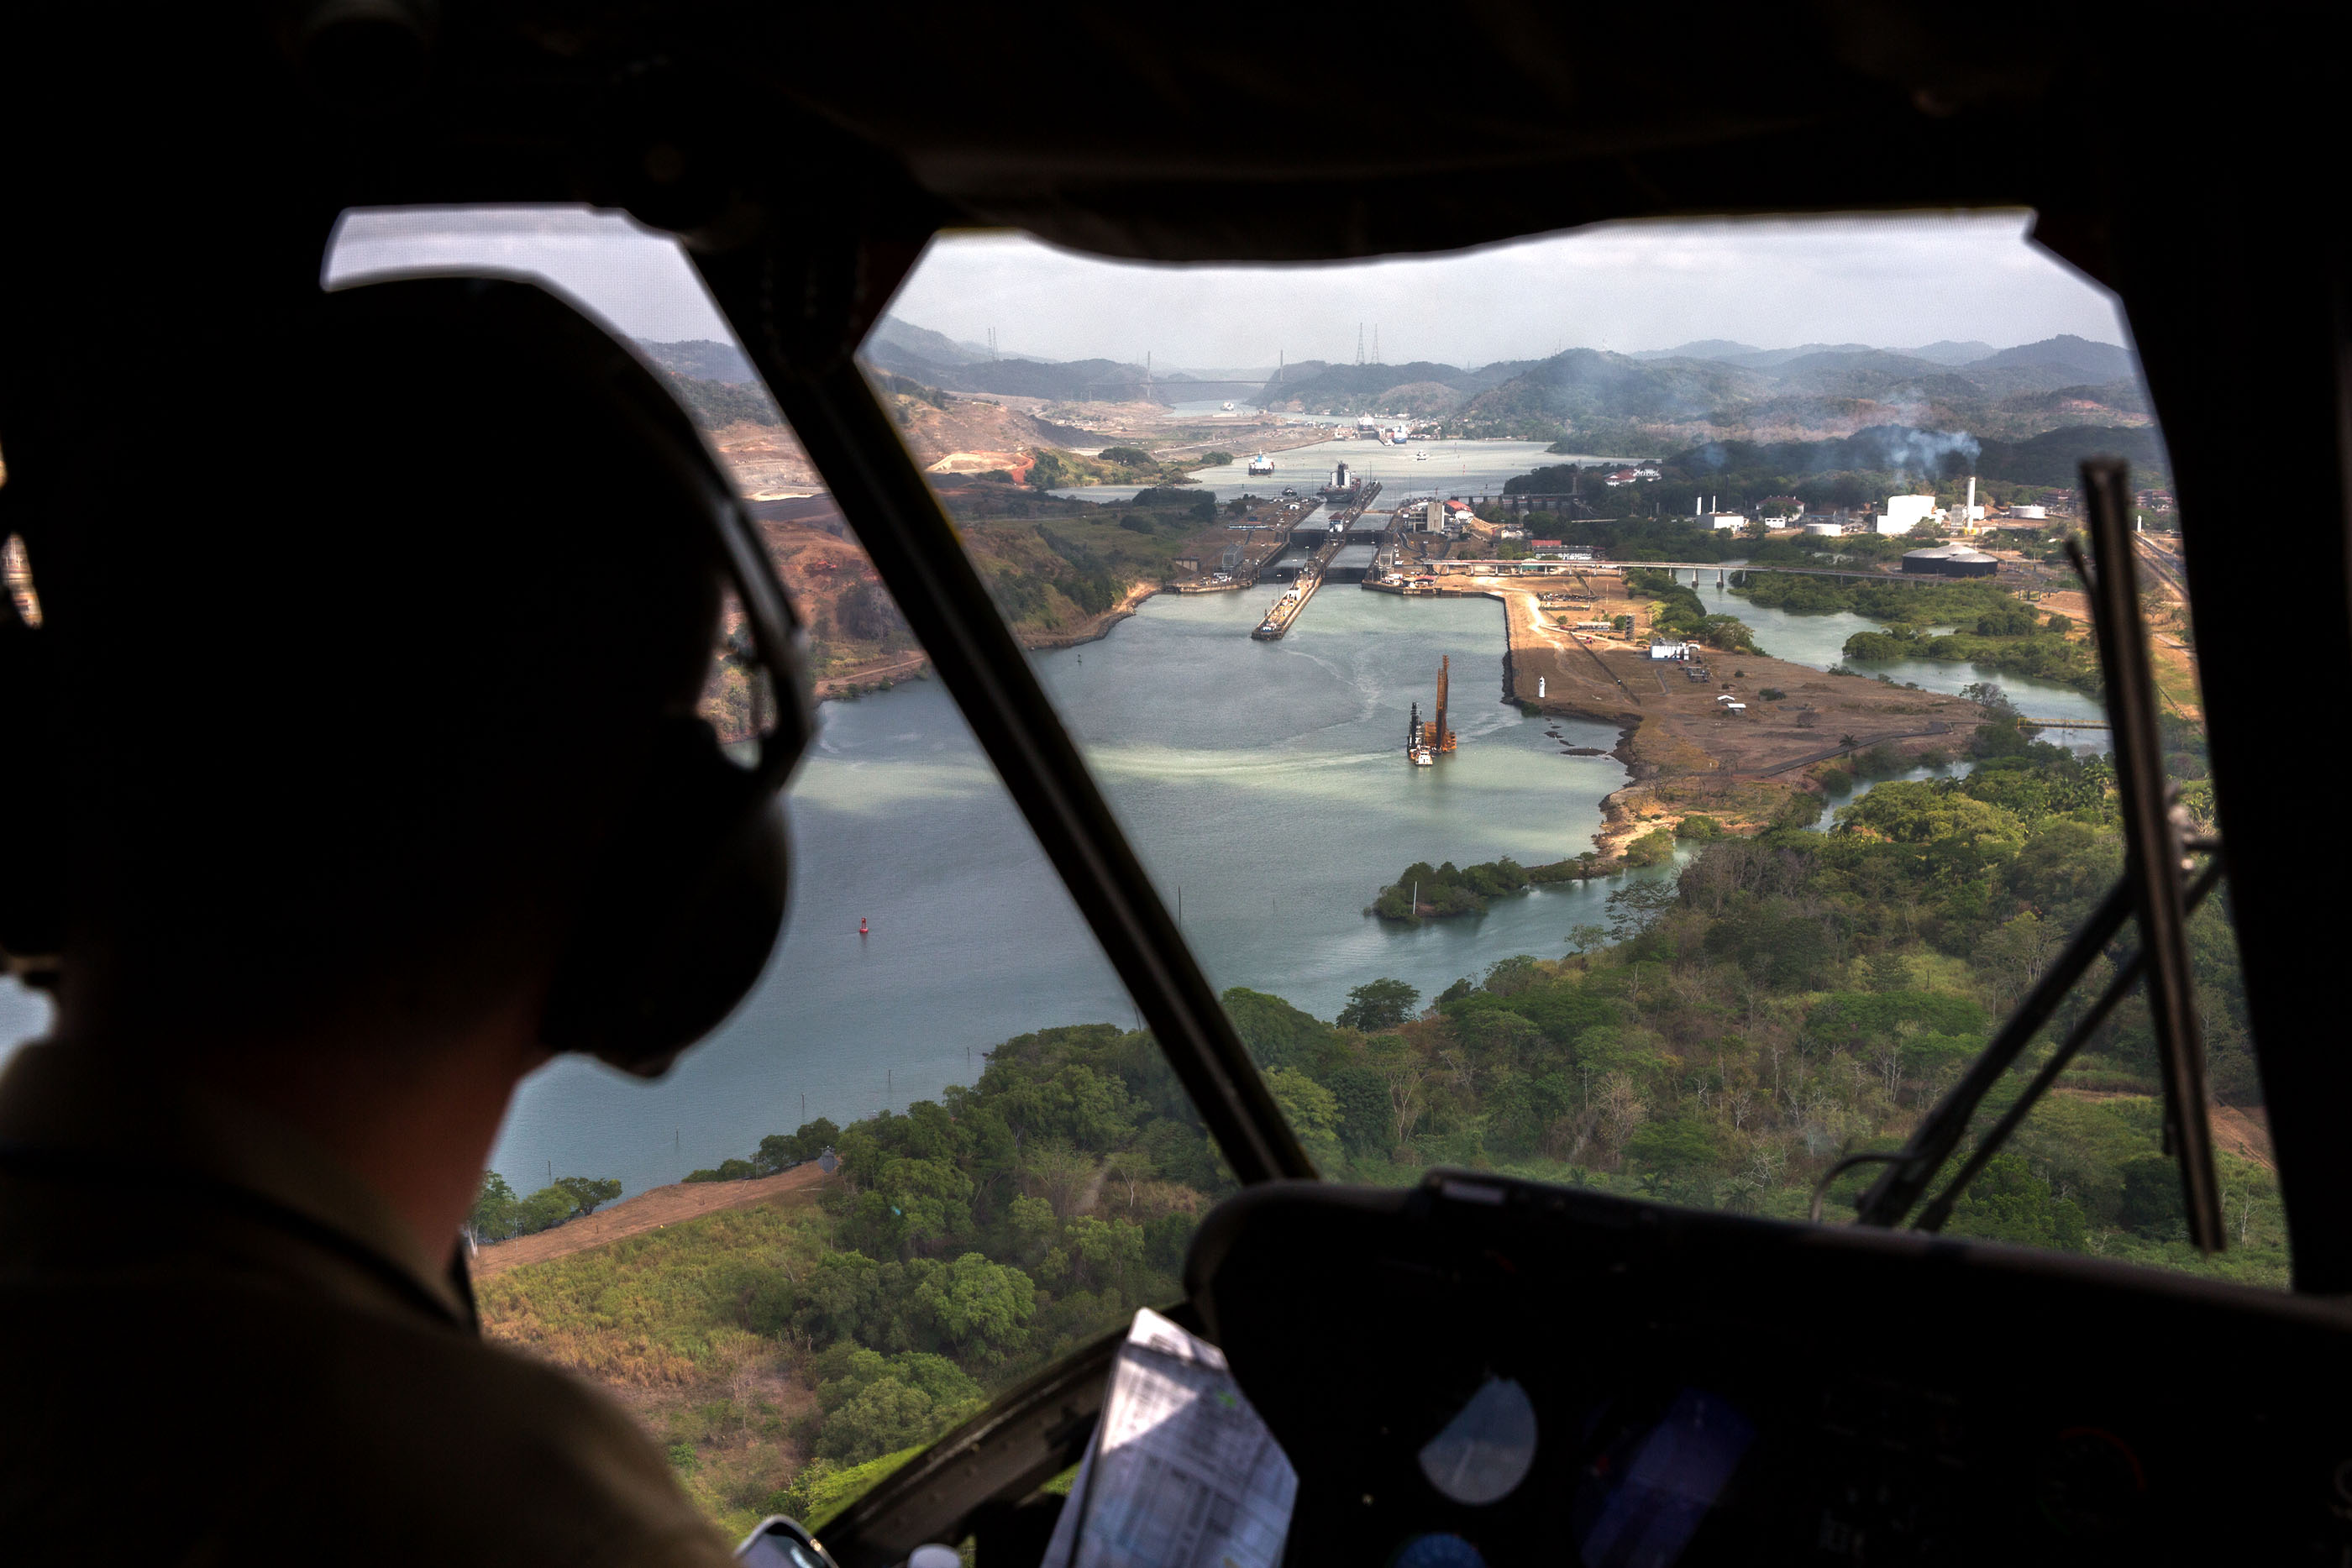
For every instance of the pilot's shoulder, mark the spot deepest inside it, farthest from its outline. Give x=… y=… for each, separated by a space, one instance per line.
x=375 y=1434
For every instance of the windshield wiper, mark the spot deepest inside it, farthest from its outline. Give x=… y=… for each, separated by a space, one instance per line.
x=2151 y=891
x=2151 y=842
x=1933 y=1217
x=1907 y=1174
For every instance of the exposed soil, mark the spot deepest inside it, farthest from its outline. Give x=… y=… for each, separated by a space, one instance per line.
x=766 y=460
x=974 y=437
x=1687 y=751
x=648 y=1210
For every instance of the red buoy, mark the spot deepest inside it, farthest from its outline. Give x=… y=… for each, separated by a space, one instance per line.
x=861 y=925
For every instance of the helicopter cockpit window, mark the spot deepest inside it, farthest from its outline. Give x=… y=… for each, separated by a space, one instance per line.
x=1613 y=708
x=932 y=1152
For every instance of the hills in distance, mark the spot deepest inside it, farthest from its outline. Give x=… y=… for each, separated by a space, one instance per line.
x=1587 y=399
x=1718 y=391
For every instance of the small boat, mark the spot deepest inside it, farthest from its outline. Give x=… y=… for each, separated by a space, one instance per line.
x=1422 y=758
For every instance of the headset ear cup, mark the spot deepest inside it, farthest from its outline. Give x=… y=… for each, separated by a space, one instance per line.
x=681 y=917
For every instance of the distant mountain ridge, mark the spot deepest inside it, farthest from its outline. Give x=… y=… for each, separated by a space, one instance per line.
x=1714 y=389
x=2099 y=361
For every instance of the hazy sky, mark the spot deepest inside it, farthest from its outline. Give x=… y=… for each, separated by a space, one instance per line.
x=1891 y=281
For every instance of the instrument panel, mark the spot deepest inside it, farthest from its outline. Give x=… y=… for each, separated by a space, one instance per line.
x=1481 y=1371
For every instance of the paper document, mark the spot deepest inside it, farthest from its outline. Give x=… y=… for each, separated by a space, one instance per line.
x=1181 y=1473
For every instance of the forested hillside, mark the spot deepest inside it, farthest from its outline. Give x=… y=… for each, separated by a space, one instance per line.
x=1729 y=1033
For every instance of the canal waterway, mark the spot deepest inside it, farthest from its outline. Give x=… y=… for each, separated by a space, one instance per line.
x=1820 y=641
x=1264 y=786
x=1418 y=468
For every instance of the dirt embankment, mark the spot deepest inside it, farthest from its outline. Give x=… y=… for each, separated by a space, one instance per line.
x=648 y=1210
x=966 y=437
x=766 y=460
x=1690 y=751
x=974 y=437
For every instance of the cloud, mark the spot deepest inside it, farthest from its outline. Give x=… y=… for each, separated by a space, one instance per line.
x=635 y=280
x=1891 y=281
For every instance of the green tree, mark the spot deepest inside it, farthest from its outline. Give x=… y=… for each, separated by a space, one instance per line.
x=1312 y=1110
x=493 y=1215
x=2007 y=1202
x=1031 y=1221
x=589 y=1192
x=543 y=1210
x=1278 y=1034
x=1889 y=972
x=1653 y=848
x=2152 y=1204
x=1673 y=1146
x=1108 y=1253
x=1361 y=1097
x=780 y=1150
x=1378 y=1005
x=874 y=1404
x=980 y=1307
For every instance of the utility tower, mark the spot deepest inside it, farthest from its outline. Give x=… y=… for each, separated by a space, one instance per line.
x=1359 y=342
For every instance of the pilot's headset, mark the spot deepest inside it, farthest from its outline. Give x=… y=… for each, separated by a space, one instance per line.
x=678 y=919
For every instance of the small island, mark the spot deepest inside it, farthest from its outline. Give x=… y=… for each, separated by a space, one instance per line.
x=1423 y=891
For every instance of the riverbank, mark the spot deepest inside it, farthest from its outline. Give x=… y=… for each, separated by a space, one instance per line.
x=1094 y=628
x=880 y=675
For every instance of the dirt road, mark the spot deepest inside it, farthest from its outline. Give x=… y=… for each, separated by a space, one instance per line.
x=649 y=1210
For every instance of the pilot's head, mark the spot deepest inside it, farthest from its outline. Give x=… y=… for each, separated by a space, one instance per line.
x=378 y=624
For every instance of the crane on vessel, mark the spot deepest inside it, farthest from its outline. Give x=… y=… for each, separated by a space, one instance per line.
x=1426 y=743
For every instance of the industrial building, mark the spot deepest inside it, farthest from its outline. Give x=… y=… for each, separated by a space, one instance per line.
x=1949 y=560
x=1903 y=513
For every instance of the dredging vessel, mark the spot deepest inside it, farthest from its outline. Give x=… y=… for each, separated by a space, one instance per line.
x=1426 y=743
